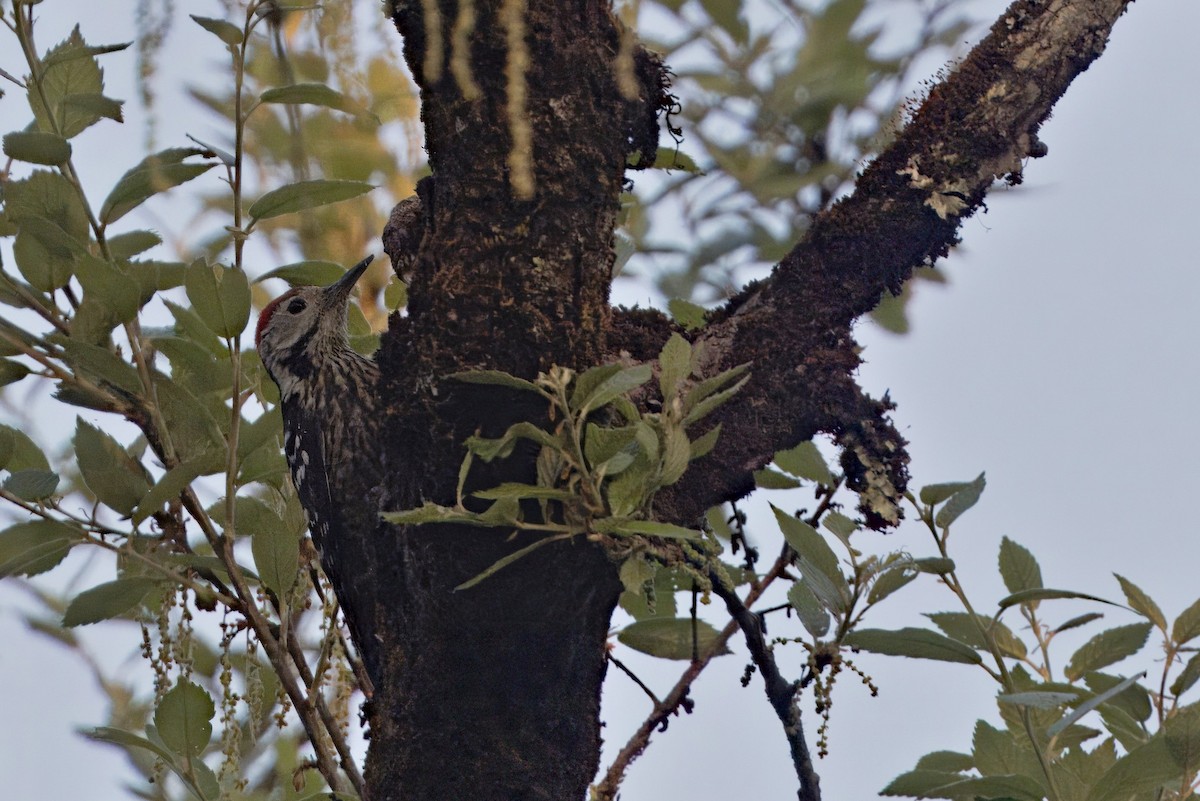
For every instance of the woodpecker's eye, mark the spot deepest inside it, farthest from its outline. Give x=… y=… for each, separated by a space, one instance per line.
x=297 y=305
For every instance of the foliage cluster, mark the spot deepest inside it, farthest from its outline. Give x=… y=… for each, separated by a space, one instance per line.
x=1073 y=732
x=175 y=469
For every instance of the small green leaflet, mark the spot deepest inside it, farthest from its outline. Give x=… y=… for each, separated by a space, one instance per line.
x=672 y=638
x=108 y=600
x=305 y=195
x=914 y=643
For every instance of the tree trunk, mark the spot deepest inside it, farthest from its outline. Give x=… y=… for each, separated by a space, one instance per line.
x=532 y=109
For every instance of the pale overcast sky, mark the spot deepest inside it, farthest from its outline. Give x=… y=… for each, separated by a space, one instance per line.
x=1060 y=359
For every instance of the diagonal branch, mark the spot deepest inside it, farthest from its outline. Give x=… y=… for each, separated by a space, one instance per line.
x=977 y=126
x=781 y=693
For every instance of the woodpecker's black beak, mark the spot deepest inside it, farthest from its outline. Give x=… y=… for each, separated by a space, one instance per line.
x=339 y=290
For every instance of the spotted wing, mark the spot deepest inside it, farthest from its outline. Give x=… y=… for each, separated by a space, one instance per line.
x=303 y=445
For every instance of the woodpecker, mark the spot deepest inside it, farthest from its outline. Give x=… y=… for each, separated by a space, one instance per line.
x=327 y=392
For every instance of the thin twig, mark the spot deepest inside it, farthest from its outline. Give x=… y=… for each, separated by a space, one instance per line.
x=606 y=789
x=624 y=669
x=780 y=692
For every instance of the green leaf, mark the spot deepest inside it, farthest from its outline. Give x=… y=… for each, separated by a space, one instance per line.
x=635 y=571
x=115 y=294
x=227 y=32
x=96 y=106
x=154 y=174
x=11 y=372
x=1187 y=677
x=1045 y=594
x=313 y=94
x=1132 y=697
x=220 y=296
x=114 y=477
x=1142 y=603
x=674 y=159
x=37 y=147
x=936 y=493
x=1019 y=568
x=1106 y=648
x=1076 y=622
x=676 y=453
x=305 y=195
x=194 y=428
x=32 y=485
x=102 y=366
x=50 y=196
x=948 y=761
x=253 y=517
x=1124 y=729
x=68 y=74
x=892 y=579
x=1182 y=731
x=773 y=479
x=106 y=601
x=128 y=740
x=812 y=614
x=186 y=772
x=28 y=549
x=183 y=719
x=706 y=388
x=585 y=383
x=808 y=543
x=1142 y=770
x=306 y=273
x=84 y=51
x=619 y=383
x=131 y=243
x=921 y=783
x=805 y=461
x=206 y=780
x=209 y=567
x=174 y=482
x=890 y=312
x=494 y=378
x=395 y=295
x=45 y=253
x=703 y=445
x=1187 y=626
x=960 y=502
x=671 y=638
x=1043 y=699
x=959 y=626
x=646 y=528
x=489 y=449
x=512 y=489
x=675 y=365
x=686 y=313
x=934 y=565
x=18 y=451
x=433 y=513
x=188 y=325
x=842 y=527
x=194 y=366
x=703 y=408
x=601 y=444
x=912 y=642
x=1092 y=703
x=276 y=556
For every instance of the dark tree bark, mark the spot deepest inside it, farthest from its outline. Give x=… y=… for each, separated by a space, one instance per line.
x=531 y=108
